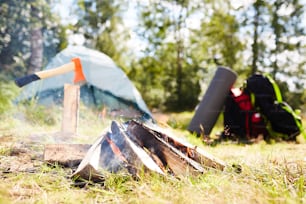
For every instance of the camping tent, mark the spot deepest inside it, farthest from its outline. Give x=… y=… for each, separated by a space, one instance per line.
x=106 y=84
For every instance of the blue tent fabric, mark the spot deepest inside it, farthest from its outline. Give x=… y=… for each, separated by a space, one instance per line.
x=101 y=73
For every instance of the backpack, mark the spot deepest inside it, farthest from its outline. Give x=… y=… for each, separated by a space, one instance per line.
x=281 y=120
x=241 y=120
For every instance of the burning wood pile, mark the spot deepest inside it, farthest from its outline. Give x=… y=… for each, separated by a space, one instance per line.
x=136 y=147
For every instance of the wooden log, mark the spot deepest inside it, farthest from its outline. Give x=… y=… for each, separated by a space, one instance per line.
x=89 y=166
x=135 y=155
x=68 y=155
x=71 y=109
x=178 y=163
x=114 y=152
x=193 y=152
x=134 y=147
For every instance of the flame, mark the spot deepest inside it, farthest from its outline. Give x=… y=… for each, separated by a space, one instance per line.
x=115 y=149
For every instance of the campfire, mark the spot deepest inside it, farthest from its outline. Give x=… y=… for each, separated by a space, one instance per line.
x=134 y=147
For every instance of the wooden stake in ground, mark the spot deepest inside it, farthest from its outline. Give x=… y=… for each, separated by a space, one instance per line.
x=71 y=109
x=67 y=154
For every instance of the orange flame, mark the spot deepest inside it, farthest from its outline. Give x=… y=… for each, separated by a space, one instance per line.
x=115 y=149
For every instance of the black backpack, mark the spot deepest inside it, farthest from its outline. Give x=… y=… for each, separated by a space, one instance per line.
x=280 y=119
x=241 y=120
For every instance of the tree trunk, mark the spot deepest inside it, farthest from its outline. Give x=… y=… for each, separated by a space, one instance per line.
x=255 y=37
x=179 y=61
x=36 y=59
x=36 y=39
x=277 y=32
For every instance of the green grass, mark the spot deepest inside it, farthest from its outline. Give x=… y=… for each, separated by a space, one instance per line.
x=258 y=173
x=268 y=176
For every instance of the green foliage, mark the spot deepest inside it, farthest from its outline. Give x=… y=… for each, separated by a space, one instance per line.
x=167 y=65
x=218 y=40
x=180 y=120
x=288 y=25
x=275 y=30
x=294 y=99
x=5 y=151
x=102 y=25
x=7 y=94
x=18 y=20
x=39 y=114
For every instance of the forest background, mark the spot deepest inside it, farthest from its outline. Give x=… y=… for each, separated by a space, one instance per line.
x=173 y=47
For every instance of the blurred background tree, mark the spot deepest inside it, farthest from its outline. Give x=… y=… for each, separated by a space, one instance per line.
x=277 y=33
x=101 y=23
x=168 y=71
x=29 y=35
